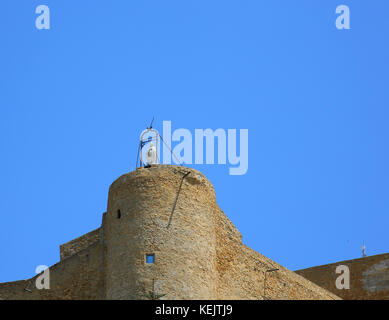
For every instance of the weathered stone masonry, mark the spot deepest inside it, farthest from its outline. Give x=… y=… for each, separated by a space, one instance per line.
x=369 y=277
x=198 y=253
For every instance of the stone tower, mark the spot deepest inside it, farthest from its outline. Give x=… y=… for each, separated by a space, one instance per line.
x=163 y=214
x=164 y=233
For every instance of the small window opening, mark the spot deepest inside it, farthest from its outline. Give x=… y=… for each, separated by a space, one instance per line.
x=119 y=214
x=150 y=258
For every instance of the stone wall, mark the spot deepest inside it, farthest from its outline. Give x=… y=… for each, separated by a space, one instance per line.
x=241 y=271
x=198 y=251
x=72 y=247
x=369 y=277
x=77 y=277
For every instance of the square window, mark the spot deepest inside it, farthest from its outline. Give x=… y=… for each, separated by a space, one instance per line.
x=150 y=258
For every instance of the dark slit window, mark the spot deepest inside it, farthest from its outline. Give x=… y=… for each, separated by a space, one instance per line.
x=119 y=214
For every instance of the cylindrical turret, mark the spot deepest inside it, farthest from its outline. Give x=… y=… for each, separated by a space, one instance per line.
x=159 y=235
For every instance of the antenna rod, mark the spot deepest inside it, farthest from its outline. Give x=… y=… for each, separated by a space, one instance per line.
x=151 y=124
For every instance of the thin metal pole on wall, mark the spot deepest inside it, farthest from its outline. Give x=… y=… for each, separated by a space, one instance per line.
x=264 y=281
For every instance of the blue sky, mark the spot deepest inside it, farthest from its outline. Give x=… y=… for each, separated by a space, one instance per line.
x=74 y=99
